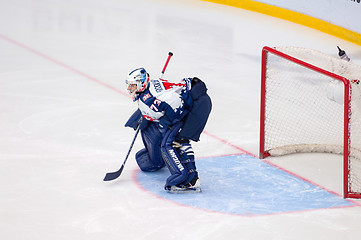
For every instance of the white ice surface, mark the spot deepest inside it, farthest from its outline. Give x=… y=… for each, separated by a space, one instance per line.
x=63 y=106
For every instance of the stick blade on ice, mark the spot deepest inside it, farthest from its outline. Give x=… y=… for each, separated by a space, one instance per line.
x=113 y=175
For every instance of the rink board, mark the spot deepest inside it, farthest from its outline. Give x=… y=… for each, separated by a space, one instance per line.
x=245 y=185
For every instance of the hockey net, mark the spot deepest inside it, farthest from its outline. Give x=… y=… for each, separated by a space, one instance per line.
x=311 y=102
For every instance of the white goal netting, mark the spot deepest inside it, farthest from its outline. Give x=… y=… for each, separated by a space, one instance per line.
x=305 y=109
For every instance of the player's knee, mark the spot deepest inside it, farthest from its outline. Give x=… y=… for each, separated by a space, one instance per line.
x=145 y=162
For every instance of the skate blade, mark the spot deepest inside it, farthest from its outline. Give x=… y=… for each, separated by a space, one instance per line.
x=176 y=190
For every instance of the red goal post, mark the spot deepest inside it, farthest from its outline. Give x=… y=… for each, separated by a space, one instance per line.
x=311 y=102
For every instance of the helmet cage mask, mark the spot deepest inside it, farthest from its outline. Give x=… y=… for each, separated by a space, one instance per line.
x=140 y=78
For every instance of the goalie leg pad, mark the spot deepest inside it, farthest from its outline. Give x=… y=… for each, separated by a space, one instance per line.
x=172 y=158
x=180 y=164
x=145 y=163
x=150 y=159
x=186 y=153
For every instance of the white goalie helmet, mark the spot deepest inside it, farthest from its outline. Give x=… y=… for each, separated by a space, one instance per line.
x=140 y=78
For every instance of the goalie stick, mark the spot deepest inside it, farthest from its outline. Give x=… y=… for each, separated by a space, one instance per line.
x=114 y=175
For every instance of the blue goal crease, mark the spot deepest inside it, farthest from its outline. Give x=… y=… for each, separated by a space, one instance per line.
x=245 y=185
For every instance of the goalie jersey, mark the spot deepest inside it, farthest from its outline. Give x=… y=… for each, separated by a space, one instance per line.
x=165 y=102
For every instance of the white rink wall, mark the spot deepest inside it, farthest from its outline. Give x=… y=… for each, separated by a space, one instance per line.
x=339 y=18
x=344 y=13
